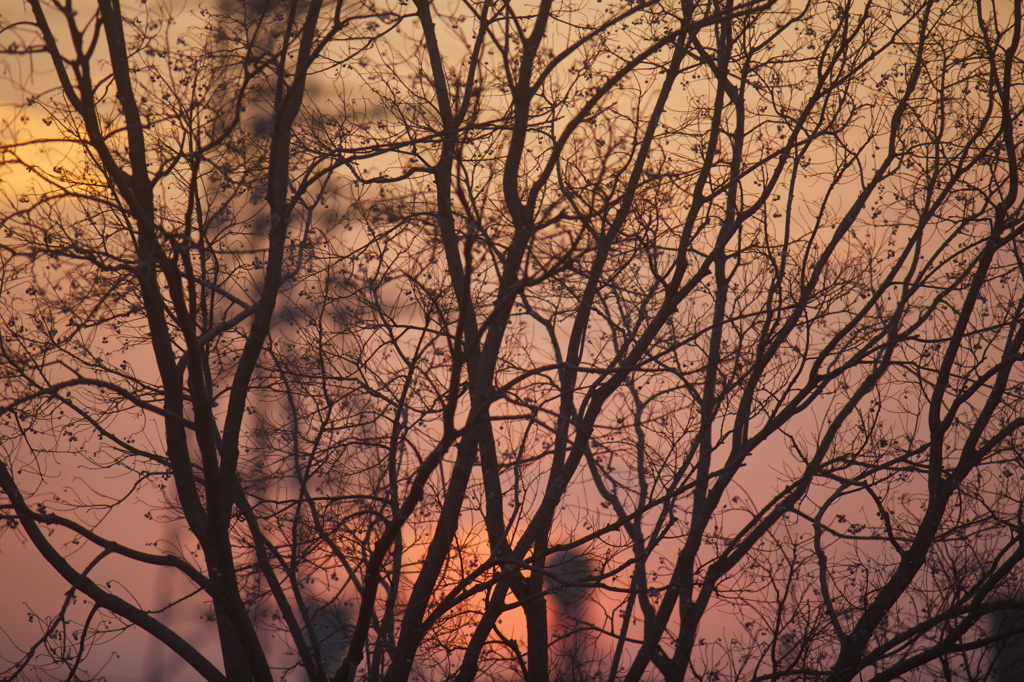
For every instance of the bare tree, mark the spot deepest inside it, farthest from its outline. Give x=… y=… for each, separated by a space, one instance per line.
x=395 y=308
